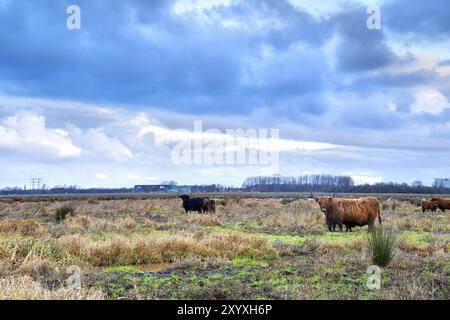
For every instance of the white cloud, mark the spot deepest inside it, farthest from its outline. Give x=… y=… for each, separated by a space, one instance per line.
x=363 y=177
x=96 y=143
x=26 y=133
x=188 y=6
x=429 y=100
x=101 y=176
x=329 y=7
x=264 y=142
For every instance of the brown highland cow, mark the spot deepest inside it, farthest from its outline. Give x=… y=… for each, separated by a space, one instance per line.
x=443 y=204
x=429 y=205
x=350 y=212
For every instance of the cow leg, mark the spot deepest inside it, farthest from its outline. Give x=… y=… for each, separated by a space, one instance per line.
x=332 y=227
x=340 y=227
x=370 y=227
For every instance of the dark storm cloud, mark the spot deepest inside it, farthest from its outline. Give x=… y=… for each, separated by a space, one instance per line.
x=360 y=48
x=426 y=18
x=271 y=56
x=141 y=53
x=367 y=84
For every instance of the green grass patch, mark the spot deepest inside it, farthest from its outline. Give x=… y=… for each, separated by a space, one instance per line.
x=247 y=262
x=417 y=237
x=122 y=269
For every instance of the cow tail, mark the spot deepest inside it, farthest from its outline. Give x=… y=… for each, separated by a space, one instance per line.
x=379 y=215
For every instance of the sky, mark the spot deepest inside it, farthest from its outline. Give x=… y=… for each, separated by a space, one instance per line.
x=120 y=101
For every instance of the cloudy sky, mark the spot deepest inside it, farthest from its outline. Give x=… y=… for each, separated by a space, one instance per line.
x=105 y=105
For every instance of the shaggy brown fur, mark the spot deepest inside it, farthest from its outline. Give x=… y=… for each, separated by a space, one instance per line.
x=443 y=204
x=429 y=205
x=209 y=205
x=350 y=212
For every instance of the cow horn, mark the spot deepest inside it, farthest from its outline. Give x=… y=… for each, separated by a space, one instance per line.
x=334 y=195
x=312 y=196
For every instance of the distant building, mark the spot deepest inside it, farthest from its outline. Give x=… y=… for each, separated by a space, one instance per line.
x=153 y=188
x=417 y=184
x=442 y=183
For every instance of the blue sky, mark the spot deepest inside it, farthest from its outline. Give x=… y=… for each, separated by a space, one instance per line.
x=102 y=106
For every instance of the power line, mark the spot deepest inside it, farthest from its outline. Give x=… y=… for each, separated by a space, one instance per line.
x=36 y=182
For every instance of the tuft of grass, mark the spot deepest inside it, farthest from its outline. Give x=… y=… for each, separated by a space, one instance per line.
x=62 y=212
x=381 y=246
x=18 y=251
x=23 y=227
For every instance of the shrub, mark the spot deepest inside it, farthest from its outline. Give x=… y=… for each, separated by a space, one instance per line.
x=381 y=246
x=64 y=211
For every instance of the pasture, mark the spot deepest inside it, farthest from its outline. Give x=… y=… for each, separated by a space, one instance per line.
x=273 y=247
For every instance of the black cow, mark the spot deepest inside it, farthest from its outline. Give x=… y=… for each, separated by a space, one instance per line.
x=192 y=204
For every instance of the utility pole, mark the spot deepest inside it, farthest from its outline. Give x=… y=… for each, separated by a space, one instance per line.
x=36 y=182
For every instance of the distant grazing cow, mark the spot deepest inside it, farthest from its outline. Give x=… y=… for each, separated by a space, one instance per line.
x=443 y=204
x=209 y=205
x=192 y=204
x=428 y=205
x=350 y=212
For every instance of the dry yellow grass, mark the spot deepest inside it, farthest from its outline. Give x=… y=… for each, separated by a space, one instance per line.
x=119 y=250
x=201 y=219
x=30 y=256
x=429 y=249
x=295 y=222
x=90 y=224
x=25 y=288
x=23 y=227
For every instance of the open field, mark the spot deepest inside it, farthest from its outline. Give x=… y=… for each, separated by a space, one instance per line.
x=269 y=247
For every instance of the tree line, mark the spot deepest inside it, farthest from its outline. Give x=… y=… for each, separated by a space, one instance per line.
x=331 y=184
